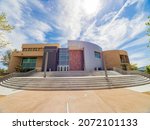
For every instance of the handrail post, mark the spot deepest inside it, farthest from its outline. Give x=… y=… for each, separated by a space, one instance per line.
x=105 y=69
x=45 y=67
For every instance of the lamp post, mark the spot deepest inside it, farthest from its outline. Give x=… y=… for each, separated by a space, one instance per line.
x=105 y=69
x=45 y=66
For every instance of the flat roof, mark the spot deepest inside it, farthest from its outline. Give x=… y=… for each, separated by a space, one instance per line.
x=42 y=45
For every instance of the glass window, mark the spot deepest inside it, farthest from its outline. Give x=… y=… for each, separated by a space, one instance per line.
x=24 y=49
x=63 y=56
x=34 y=49
x=29 y=49
x=97 y=55
x=28 y=63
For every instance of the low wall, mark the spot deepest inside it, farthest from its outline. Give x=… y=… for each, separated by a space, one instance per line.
x=15 y=74
x=133 y=72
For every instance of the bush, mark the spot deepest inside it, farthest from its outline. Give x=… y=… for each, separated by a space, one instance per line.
x=148 y=69
x=3 y=72
x=20 y=69
x=133 y=67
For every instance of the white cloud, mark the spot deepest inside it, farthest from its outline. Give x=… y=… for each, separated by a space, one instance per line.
x=27 y=28
x=72 y=16
x=141 y=62
x=140 y=41
x=110 y=36
x=75 y=19
x=136 y=56
x=37 y=30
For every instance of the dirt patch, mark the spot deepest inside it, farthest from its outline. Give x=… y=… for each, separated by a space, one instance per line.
x=1 y=96
x=147 y=93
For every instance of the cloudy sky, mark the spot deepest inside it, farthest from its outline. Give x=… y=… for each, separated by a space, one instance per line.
x=112 y=24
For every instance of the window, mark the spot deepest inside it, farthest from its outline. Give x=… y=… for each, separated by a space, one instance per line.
x=124 y=59
x=28 y=63
x=97 y=55
x=35 y=49
x=29 y=49
x=25 y=49
x=63 y=58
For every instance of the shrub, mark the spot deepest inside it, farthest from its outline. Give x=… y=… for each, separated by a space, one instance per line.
x=148 y=69
x=3 y=72
x=133 y=67
x=19 y=68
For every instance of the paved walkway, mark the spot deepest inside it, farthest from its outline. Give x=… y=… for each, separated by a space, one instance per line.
x=108 y=100
x=143 y=88
x=7 y=91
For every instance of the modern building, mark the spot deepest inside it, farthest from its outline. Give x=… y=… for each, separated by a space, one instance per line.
x=84 y=56
x=79 y=56
x=116 y=58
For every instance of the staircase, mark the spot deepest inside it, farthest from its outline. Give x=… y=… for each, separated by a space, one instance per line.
x=75 y=83
x=73 y=73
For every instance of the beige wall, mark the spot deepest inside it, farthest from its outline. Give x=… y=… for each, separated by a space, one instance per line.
x=112 y=58
x=39 y=45
x=17 y=56
x=39 y=63
x=14 y=61
x=28 y=53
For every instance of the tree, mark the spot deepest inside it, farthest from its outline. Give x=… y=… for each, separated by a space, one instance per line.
x=6 y=57
x=148 y=69
x=133 y=67
x=148 y=30
x=4 y=27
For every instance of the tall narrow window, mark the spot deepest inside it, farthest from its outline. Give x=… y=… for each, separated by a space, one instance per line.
x=97 y=55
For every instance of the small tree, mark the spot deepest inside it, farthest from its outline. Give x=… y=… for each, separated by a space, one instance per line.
x=133 y=67
x=148 y=69
x=4 y=27
x=2 y=71
x=6 y=57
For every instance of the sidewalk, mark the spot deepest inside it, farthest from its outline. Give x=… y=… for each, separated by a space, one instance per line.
x=7 y=91
x=143 y=88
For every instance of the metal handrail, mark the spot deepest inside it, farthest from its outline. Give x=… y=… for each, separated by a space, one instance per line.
x=17 y=75
x=132 y=72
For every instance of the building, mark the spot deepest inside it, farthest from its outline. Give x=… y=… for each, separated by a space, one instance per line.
x=79 y=56
x=84 y=56
x=116 y=58
x=31 y=57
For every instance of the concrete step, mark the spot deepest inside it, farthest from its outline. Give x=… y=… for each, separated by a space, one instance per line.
x=74 y=83
x=67 y=87
x=78 y=79
x=74 y=73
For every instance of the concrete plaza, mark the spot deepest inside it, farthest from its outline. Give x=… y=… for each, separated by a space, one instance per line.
x=90 y=101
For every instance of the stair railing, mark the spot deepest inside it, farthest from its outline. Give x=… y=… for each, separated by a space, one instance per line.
x=131 y=72
x=15 y=74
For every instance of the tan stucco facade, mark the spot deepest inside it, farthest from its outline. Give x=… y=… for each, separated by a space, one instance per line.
x=39 y=63
x=28 y=50
x=14 y=61
x=113 y=58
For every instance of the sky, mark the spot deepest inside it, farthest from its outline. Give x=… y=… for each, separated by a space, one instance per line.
x=111 y=24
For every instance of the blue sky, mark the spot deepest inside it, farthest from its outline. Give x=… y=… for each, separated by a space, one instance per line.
x=112 y=24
